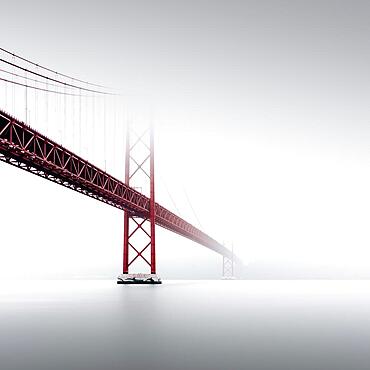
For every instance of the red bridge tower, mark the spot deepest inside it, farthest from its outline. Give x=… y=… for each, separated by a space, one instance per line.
x=139 y=231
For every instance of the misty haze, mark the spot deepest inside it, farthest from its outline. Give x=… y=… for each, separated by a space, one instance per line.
x=240 y=129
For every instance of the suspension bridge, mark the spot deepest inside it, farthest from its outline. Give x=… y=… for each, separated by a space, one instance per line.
x=68 y=131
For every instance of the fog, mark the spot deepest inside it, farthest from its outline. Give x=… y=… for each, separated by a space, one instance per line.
x=262 y=119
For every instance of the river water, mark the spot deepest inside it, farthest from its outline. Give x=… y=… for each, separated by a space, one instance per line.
x=211 y=325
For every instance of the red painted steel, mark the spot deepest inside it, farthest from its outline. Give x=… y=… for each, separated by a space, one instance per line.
x=129 y=243
x=152 y=202
x=25 y=148
x=126 y=222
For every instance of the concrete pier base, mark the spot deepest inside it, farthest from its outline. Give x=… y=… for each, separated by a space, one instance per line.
x=139 y=279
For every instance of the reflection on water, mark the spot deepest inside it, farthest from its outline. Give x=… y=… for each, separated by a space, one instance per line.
x=185 y=325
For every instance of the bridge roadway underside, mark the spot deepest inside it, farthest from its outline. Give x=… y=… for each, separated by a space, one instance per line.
x=29 y=150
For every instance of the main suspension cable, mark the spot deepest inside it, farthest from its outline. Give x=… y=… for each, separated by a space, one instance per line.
x=28 y=78
x=54 y=80
x=48 y=69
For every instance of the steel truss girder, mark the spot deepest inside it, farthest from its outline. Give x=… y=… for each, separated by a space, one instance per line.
x=24 y=147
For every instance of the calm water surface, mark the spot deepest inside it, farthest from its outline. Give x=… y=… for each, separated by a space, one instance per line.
x=211 y=325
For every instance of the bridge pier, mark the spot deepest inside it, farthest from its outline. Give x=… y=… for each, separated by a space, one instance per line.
x=138 y=279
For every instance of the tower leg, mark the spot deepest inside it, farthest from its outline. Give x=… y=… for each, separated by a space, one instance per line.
x=152 y=203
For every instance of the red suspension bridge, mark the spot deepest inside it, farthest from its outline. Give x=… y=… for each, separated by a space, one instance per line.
x=77 y=112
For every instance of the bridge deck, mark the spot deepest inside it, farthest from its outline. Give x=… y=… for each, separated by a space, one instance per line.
x=25 y=148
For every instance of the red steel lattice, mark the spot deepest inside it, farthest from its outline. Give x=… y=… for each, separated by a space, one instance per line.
x=132 y=220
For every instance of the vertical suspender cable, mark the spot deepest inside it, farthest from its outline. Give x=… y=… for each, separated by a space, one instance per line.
x=192 y=208
x=114 y=131
x=56 y=115
x=47 y=108
x=6 y=95
x=73 y=120
x=26 y=98
x=13 y=88
x=35 y=97
x=59 y=112
x=65 y=116
x=79 y=121
x=105 y=133
x=86 y=120
x=93 y=128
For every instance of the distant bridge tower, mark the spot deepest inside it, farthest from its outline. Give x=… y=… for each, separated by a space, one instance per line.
x=228 y=266
x=139 y=232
